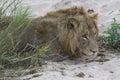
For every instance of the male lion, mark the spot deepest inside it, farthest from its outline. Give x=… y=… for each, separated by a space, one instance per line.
x=72 y=31
x=77 y=32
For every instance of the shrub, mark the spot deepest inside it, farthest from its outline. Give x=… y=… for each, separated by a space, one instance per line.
x=113 y=39
x=14 y=21
x=13 y=24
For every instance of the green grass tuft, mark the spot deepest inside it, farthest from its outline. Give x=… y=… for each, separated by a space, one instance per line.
x=113 y=39
x=14 y=22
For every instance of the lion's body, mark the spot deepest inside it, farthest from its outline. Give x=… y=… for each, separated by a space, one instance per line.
x=73 y=31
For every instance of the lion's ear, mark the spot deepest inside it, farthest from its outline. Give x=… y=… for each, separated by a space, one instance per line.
x=95 y=16
x=71 y=23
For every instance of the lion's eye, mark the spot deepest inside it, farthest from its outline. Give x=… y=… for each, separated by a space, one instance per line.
x=85 y=36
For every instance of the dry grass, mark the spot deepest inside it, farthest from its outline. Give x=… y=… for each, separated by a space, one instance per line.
x=14 y=21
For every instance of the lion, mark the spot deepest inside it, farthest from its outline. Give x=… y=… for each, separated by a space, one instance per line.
x=76 y=31
x=72 y=31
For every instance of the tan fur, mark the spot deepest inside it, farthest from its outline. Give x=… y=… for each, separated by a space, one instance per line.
x=71 y=26
x=75 y=30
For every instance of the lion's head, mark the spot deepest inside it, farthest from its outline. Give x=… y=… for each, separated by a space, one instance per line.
x=78 y=33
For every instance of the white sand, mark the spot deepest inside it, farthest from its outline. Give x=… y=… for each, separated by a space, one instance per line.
x=67 y=70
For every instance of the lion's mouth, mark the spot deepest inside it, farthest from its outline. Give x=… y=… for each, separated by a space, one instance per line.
x=92 y=56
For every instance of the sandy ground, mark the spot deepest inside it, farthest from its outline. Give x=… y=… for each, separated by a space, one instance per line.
x=76 y=70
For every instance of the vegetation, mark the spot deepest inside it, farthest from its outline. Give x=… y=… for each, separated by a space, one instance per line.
x=113 y=39
x=14 y=21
